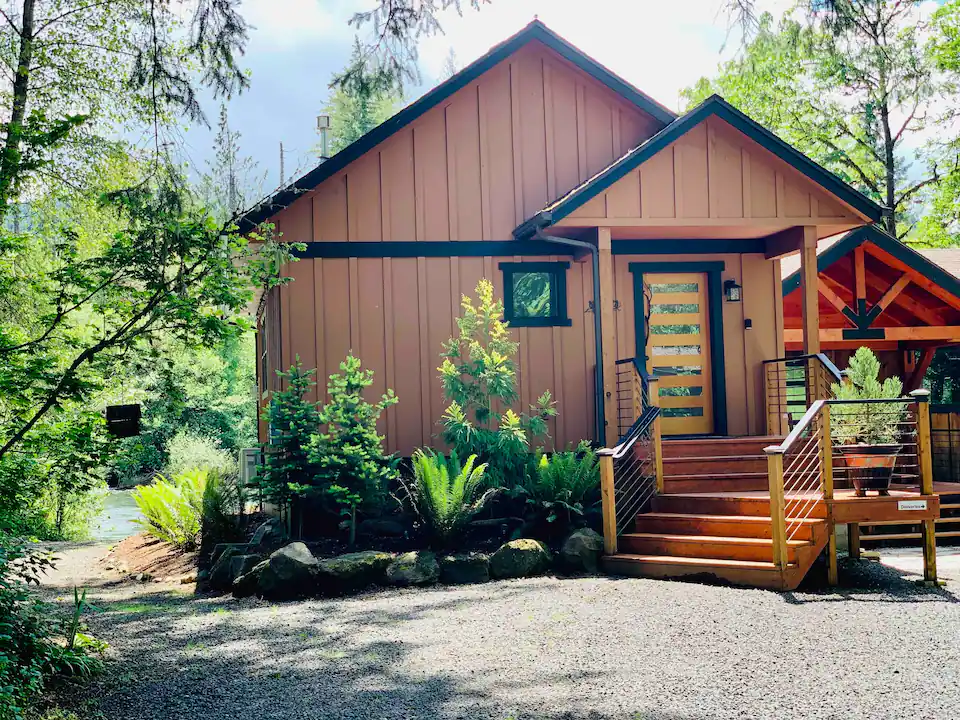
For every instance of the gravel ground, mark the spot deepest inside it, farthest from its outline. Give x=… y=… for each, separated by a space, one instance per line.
x=596 y=648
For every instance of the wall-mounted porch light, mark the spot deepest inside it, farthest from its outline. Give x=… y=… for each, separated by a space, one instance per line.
x=731 y=291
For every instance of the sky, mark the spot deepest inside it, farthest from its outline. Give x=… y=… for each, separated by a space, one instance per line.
x=296 y=45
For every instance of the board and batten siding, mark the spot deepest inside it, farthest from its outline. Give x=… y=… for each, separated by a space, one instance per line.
x=472 y=168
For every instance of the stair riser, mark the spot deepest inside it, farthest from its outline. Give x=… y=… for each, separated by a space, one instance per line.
x=744 y=577
x=722 y=528
x=758 y=507
x=714 y=466
x=714 y=448
x=699 y=549
x=707 y=484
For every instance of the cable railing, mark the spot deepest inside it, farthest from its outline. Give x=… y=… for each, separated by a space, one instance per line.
x=791 y=385
x=631 y=474
x=631 y=394
x=821 y=455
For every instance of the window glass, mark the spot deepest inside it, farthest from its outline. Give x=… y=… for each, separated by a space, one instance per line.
x=534 y=295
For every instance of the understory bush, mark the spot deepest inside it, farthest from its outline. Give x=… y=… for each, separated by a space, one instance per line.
x=479 y=381
x=36 y=644
x=188 y=451
x=445 y=495
x=173 y=509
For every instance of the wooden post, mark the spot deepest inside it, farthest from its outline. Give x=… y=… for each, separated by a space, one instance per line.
x=778 y=526
x=608 y=323
x=810 y=291
x=853 y=540
x=608 y=502
x=653 y=392
x=925 y=461
x=826 y=449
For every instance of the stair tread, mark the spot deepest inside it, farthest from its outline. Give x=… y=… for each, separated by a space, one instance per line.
x=696 y=458
x=775 y=439
x=706 y=562
x=707 y=477
x=758 y=519
x=714 y=539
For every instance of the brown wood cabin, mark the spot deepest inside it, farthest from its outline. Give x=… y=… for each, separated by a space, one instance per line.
x=536 y=166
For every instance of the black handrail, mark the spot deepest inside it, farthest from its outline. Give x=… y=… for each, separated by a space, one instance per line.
x=827 y=363
x=636 y=431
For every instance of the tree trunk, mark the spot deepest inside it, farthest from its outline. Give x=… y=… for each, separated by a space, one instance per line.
x=890 y=189
x=10 y=161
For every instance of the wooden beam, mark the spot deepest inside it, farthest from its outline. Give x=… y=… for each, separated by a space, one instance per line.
x=860 y=274
x=893 y=291
x=608 y=503
x=921 y=311
x=809 y=292
x=608 y=324
x=945 y=333
x=918 y=280
x=786 y=242
x=833 y=298
x=916 y=375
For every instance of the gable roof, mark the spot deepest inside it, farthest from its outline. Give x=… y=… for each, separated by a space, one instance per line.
x=831 y=252
x=712 y=106
x=535 y=30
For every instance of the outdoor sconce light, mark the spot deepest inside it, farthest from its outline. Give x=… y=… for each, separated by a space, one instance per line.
x=731 y=291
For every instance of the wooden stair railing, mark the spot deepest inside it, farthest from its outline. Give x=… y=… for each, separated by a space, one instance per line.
x=793 y=384
x=632 y=388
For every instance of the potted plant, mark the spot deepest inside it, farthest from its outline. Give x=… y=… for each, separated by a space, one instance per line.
x=868 y=433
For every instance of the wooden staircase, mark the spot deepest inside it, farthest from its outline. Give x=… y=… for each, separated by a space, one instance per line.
x=713 y=520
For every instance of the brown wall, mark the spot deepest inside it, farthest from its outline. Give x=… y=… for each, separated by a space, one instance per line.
x=744 y=350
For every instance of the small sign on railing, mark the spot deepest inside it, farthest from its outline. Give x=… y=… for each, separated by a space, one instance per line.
x=912 y=505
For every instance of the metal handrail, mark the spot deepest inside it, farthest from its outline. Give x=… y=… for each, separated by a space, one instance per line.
x=636 y=431
x=827 y=363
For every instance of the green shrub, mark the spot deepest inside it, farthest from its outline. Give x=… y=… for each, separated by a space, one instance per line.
x=558 y=489
x=172 y=509
x=352 y=467
x=224 y=501
x=188 y=451
x=478 y=377
x=872 y=423
x=445 y=495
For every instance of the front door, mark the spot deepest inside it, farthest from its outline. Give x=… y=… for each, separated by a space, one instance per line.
x=678 y=350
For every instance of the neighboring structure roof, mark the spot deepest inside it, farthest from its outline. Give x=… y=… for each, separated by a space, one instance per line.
x=712 y=106
x=947 y=258
x=534 y=31
x=833 y=248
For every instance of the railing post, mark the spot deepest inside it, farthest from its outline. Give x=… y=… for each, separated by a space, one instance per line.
x=778 y=525
x=653 y=392
x=925 y=463
x=826 y=450
x=608 y=502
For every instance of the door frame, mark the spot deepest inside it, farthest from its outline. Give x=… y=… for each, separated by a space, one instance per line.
x=718 y=375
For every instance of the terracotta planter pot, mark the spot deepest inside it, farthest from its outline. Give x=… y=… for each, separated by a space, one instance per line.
x=870 y=467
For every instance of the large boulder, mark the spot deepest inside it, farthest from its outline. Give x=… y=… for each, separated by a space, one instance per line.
x=353 y=571
x=246 y=585
x=382 y=528
x=221 y=574
x=269 y=535
x=581 y=551
x=419 y=567
x=242 y=564
x=291 y=573
x=221 y=548
x=465 y=569
x=520 y=558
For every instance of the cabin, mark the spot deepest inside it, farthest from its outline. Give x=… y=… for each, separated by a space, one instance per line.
x=637 y=253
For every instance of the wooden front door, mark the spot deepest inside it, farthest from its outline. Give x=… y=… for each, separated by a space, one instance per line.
x=678 y=350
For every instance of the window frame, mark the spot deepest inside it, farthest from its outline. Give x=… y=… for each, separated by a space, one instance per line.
x=558 y=271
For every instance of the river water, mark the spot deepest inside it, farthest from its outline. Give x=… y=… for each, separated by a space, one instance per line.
x=117 y=519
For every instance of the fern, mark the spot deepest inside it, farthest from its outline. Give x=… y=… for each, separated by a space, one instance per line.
x=559 y=488
x=172 y=509
x=446 y=495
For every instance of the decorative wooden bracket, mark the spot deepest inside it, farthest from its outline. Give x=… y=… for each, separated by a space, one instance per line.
x=861 y=318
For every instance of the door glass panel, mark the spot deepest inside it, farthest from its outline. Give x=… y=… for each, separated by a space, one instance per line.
x=673 y=287
x=671 y=371
x=681 y=391
x=674 y=329
x=682 y=412
x=674 y=308
x=676 y=350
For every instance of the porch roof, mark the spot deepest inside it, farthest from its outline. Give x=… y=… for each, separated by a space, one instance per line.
x=712 y=106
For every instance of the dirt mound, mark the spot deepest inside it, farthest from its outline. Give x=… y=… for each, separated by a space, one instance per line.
x=145 y=554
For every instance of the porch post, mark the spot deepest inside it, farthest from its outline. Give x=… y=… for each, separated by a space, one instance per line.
x=925 y=461
x=809 y=291
x=608 y=324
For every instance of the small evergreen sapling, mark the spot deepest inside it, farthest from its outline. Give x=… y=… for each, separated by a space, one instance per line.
x=479 y=377
x=349 y=455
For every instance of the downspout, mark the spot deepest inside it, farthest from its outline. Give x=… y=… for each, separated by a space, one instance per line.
x=600 y=419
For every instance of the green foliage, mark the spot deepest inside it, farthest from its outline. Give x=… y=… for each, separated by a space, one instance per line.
x=479 y=376
x=188 y=452
x=352 y=467
x=224 y=503
x=173 y=509
x=357 y=106
x=943 y=377
x=873 y=423
x=559 y=488
x=35 y=643
x=288 y=467
x=446 y=496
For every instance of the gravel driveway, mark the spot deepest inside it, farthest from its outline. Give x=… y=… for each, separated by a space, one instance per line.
x=540 y=648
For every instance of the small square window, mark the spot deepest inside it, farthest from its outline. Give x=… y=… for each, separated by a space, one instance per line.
x=535 y=294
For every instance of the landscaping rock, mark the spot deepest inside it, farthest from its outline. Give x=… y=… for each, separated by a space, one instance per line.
x=581 y=551
x=220 y=548
x=270 y=534
x=222 y=574
x=353 y=571
x=291 y=573
x=419 y=567
x=246 y=585
x=242 y=564
x=382 y=528
x=520 y=558
x=465 y=569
